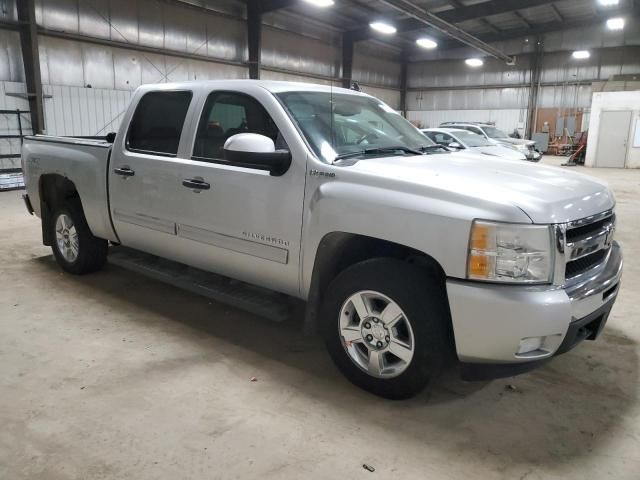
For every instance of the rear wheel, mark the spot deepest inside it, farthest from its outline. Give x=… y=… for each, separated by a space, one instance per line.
x=385 y=325
x=75 y=248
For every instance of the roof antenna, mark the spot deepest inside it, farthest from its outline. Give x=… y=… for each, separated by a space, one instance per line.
x=355 y=86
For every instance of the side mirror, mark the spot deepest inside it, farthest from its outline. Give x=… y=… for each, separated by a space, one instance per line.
x=253 y=150
x=456 y=145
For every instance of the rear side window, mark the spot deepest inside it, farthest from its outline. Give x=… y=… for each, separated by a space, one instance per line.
x=157 y=123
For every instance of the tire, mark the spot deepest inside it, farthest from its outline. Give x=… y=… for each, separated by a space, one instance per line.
x=69 y=229
x=422 y=306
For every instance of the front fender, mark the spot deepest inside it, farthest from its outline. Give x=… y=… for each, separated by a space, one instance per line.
x=438 y=226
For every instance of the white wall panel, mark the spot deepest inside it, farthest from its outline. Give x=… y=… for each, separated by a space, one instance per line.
x=455 y=73
x=371 y=66
x=150 y=23
x=506 y=119
x=83 y=111
x=71 y=63
x=388 y=96
x=10 y=57
x=297 y=53
x=470 y=99
x=288 y=77
x=8 y=12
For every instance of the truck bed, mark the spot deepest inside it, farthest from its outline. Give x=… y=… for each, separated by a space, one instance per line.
x=83 y=161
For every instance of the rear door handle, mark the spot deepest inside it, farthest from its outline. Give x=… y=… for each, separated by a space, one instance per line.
x=124 y=171
x=195 y=184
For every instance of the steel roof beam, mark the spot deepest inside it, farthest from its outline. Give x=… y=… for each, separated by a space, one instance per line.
x=543 y=28
x=457 y=15
x=427 y=18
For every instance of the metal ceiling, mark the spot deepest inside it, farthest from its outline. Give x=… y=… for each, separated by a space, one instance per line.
x=488 y=20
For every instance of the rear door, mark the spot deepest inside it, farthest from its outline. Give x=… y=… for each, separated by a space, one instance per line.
x=144 y=180
x=245 y=223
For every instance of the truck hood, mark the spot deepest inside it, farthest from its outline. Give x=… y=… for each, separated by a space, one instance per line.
x=546 y=194
x=514 y=141
x=500 y=151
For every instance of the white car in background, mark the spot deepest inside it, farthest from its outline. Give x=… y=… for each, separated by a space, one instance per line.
x=458 y=139
x=498 y=137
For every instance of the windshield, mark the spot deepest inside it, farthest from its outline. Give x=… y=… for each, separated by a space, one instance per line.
x=342 y=124
x=493 y=132
x=472 y=139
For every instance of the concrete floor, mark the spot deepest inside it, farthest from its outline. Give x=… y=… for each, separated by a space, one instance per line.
x=116 y=376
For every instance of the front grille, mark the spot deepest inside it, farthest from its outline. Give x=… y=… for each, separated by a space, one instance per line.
x=579 y=233
x=587 y=243
x=581 y=265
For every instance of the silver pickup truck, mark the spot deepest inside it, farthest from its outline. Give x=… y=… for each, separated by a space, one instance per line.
x=407 y=255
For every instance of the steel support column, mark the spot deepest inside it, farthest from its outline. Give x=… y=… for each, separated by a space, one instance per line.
x=534 y=87
x=347 y=60
x=31 y=61
x=254 y=36
x=403 y=86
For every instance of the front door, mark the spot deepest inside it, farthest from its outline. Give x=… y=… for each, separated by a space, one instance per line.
x=239 y=221
x=144 y=177
x=613 y=139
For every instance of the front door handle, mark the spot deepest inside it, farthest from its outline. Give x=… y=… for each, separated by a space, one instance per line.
x=124 y=171
x=196 y=184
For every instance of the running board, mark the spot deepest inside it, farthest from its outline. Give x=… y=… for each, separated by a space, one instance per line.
x=257 y=300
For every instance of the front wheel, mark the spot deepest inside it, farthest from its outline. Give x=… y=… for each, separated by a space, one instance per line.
x=385 y=322
x=75 y=248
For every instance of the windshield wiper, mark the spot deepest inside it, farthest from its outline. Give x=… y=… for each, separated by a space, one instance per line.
x=375 y=150
x=431 y=148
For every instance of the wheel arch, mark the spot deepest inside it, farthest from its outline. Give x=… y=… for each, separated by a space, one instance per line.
x=339 y=250
x=54 y=189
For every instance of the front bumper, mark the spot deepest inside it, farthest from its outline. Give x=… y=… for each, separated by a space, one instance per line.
x=533 y=155
x=490 y=320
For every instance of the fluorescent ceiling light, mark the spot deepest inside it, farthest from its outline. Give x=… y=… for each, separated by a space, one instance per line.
x=615 y=23
x=581 y=54
x=608 y=3
x=426 y=43
x=320 y=3
x=383 y=28
x=474 y=62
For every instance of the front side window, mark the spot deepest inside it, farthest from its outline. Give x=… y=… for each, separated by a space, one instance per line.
x=493 y=132
x=226 y=114
x=473 y=139
x=157 y=123
x=443 y=139
x=336 y=124
x=475 y=130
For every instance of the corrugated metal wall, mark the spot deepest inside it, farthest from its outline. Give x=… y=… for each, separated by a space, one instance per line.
x=70 y=63
x=505 y=119
x=148 y=23
x=442 y=87
x=593 y=37
x=84 y=111
x=10 y=57
x=305 y=55
x=148 y=29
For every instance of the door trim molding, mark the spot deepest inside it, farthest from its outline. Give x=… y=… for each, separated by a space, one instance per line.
x=240 y=245
x=146 y=221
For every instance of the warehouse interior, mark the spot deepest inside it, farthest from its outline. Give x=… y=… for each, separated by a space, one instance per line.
x=114 y=375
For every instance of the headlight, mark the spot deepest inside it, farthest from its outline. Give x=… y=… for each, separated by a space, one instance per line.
x=522 y=148
x=512 y=253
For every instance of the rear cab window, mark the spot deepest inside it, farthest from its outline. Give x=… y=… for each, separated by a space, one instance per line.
x=157 y=123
